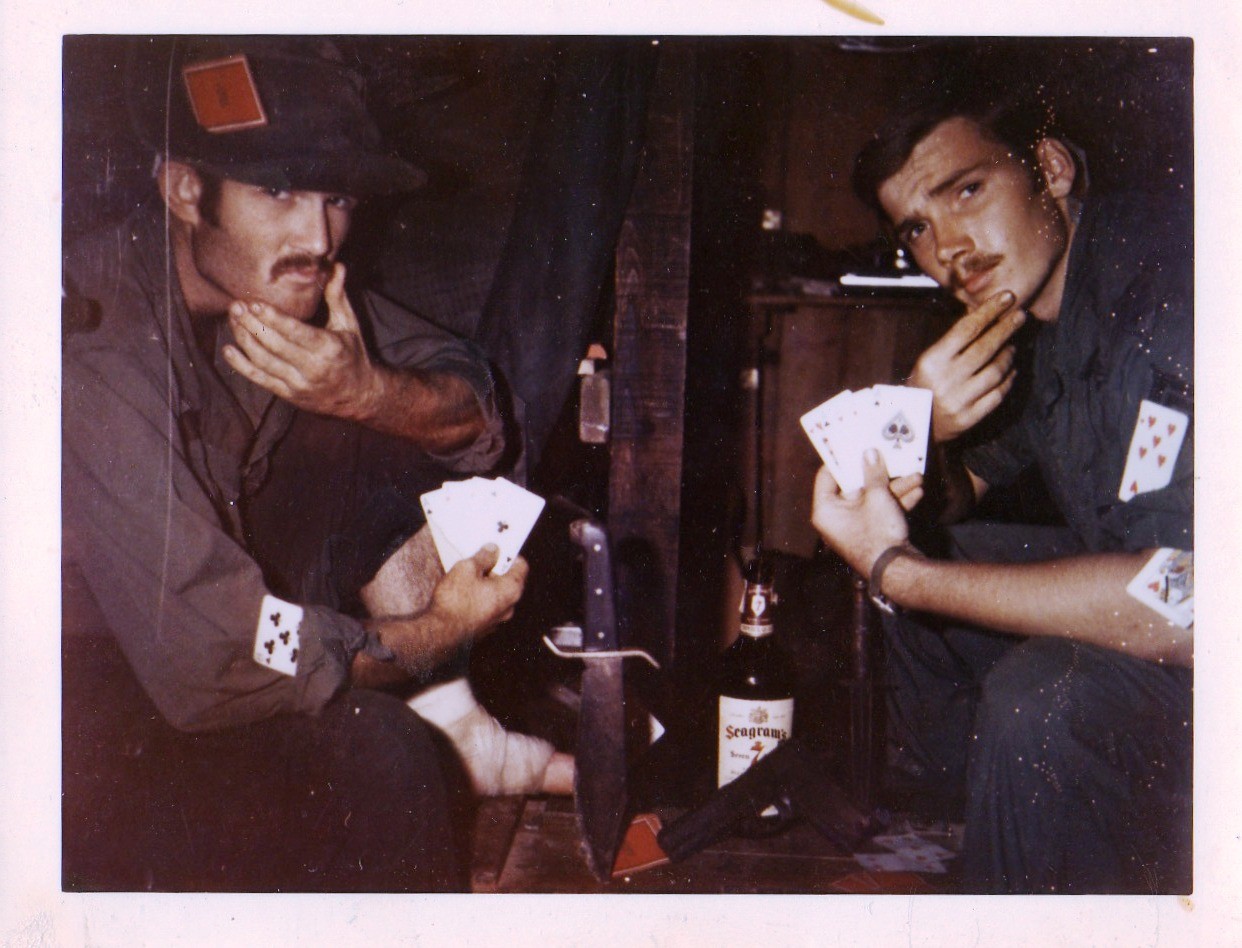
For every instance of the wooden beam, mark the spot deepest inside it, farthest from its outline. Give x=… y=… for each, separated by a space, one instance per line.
x=649 y=361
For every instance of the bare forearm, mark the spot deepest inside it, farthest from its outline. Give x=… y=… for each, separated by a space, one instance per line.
x=468 y=602
x=1082 y=598
x=437 y=411
x=419 y=644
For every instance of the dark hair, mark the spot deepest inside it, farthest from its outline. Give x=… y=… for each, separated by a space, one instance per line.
x=1017 y=121
x=209 y=197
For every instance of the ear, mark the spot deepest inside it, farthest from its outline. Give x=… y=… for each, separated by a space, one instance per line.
x=182 y=189
x=1056 y=164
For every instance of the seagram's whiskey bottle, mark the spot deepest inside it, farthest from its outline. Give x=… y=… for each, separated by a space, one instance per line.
x=756 y=683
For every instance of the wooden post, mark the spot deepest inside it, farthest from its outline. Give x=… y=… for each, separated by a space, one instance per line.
x=649 y=361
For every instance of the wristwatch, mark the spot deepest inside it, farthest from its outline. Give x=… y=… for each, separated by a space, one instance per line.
x=877 y=573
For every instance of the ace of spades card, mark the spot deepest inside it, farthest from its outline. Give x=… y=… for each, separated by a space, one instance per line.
x=893 y=419
x=897 y=420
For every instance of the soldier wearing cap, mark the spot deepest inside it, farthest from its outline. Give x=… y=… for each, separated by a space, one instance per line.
x=238 y=460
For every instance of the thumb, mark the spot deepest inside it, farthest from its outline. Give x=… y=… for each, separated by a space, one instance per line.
x=825 y=484
x=875 y=470
x=486 y=558
x=341 y=317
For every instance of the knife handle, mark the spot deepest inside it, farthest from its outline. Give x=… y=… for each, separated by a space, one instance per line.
x=600 y=626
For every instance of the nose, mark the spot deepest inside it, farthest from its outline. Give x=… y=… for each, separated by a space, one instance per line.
x=313 y=226
x=952 y=242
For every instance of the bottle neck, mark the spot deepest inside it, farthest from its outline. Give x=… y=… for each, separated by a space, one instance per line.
x=757 y=600
x=756 y=630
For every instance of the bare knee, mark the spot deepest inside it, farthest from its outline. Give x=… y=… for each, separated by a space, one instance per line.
x=404 y=584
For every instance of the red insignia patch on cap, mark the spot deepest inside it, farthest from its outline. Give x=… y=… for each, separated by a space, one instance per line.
x=223 y=94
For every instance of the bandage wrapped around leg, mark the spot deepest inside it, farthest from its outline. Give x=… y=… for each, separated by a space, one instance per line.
x=499 y=762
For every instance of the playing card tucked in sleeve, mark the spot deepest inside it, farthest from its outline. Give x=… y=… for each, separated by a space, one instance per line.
x=1158 y=435
x=464 y=516
x=1166 y=583
x=276 y=641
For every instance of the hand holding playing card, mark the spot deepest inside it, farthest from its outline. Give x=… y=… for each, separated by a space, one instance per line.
x=893 y=419
x=859 y=525
x=463 y=516
x=970 y=368
x=472 y=598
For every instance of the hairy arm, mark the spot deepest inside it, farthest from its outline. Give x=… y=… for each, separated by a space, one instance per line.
x=328 y=371
x=468 y=603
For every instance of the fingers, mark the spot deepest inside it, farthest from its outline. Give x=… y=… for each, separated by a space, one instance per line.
x=476 y=597
x=875 y=470
x=488 y=556
x=970 y=343
x=341 y=315
x=825 y=485
x=911 y=498
x=972 y=325
x=990 y=377
x=271 y=326
x=246 y=368
x=485 y=558
x=970 y=369
x=908 y=490
x=985 y=348
x=990 y=400
x=520 y=570
x=275 y=343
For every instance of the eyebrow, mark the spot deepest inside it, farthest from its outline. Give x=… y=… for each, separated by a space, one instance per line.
x=948 y=184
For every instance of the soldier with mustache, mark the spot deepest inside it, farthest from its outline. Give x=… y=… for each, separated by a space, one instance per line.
x=236 y=454
x=1030 y=693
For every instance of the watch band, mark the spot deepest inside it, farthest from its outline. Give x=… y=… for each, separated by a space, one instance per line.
x=877 y=573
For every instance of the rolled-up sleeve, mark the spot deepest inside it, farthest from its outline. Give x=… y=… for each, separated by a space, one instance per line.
x=1000 y=461
x=405 y=340
x=179 y=592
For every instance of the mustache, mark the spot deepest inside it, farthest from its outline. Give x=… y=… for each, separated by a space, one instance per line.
x=305 y=261
x=976 y=263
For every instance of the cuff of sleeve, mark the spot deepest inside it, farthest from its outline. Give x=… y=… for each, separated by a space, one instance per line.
x=329 y=642
x=993 y=464
x=483 y=453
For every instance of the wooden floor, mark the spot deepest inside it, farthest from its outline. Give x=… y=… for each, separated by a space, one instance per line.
x=533 y=845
